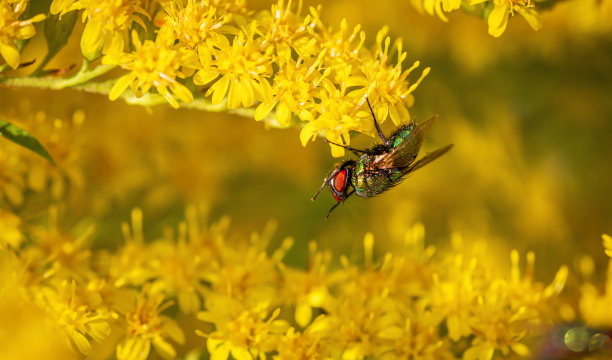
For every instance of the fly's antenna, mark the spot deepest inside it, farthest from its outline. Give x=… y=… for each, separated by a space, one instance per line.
x=380 y=133
x=325 y=182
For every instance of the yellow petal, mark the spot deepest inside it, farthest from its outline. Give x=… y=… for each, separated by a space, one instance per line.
x=98 y=330
x=283 y=115
x=203 y=77
x=247 y=95
x=521 y=349
x=394 y=115
x=233 y=95
x=530 y=15
x=133 y=349
x=453 y=325
x=221 y=352
x=181 y=92
x=309 y=132
x=120 y=86
x=10 y=55
x=91 y=40
x=188 y=302
x=303 y=314
x=81 y=342
x=26 y=32
x=264 y=109
x=220 y=89
x=173 y=330
x=163 y=90
x=240 y=353
x=498 y=19
x=164 y=348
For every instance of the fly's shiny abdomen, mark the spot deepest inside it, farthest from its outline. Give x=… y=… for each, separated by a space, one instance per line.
x=369 y=181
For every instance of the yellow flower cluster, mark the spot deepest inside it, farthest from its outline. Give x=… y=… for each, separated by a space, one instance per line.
x=497 y=12
x=13 y=28
x=274 y=60
x=253 y=306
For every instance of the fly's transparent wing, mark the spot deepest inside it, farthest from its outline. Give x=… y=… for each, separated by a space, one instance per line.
x=407 y=151
x=427 y=159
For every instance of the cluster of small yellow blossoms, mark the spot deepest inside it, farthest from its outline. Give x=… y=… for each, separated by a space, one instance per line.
x=14 y=29
x=147 y=295
x=497 y=12
x=278 y=59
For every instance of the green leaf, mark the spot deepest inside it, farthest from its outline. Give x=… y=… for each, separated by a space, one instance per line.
x=57 y=32
x=23 y=138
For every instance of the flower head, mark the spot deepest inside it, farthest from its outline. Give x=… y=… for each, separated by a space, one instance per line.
x=107 y=22
x=153 y=64
x=498 y=18
x=12 y=28
x=145 y=326
x=74 y=317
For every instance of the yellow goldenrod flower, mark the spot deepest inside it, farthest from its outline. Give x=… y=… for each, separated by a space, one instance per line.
x=107 y=22
x=437 y=7
x=129 y=265
x=178 y=271
x=498 y=18
x=12 y=28
x=145 y=326
x=384 y=85
x=307 y=345
x=497 y=11
x=246 y=335
x=243 y=66
x=195 y=22
x=153 y=64
x=66 y=254
x=73 y=316
x=308 y=289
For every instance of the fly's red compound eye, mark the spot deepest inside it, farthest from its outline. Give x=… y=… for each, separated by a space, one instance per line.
x=340 y=181
x=338 y=184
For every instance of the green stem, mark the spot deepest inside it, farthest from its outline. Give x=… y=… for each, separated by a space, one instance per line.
x=80 y=82
x=48 y=82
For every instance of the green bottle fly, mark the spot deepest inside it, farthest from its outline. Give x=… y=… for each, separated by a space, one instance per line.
x=382 y=166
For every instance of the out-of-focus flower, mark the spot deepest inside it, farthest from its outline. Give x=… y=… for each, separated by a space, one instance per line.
x=72 y=316
x=245 y=334
x=107 y=22
x=594 y=306
x=307 y=345
x=309 y=289
x=145 y=326
x=498 y=18
x=497 y=11
x=12 y=29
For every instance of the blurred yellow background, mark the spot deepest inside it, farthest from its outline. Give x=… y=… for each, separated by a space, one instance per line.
x=529 y=114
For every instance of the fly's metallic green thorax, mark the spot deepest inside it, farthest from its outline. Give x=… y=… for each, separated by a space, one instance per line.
x=368 y=181
x=382 y=166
